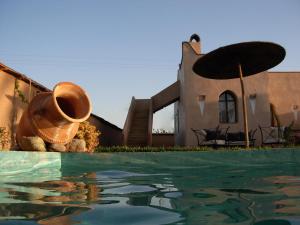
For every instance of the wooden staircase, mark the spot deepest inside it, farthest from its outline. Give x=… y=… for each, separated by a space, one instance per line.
x=138 y=131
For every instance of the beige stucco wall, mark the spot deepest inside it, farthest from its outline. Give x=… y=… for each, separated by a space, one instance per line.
x=11 y=106
x=281 y=89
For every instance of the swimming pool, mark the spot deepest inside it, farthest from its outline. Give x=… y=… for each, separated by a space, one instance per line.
x=217 y=187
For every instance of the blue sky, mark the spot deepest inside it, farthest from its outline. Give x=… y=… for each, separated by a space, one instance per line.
x=119 y=49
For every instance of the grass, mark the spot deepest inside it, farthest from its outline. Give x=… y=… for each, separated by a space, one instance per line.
x=174 y=149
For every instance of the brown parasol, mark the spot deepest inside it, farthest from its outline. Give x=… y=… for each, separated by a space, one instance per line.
x=237 y=61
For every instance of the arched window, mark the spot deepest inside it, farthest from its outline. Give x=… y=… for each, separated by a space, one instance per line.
x=227 y=107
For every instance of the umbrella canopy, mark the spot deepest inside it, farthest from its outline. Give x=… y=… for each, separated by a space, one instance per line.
x=239 y=60
x=254 y=57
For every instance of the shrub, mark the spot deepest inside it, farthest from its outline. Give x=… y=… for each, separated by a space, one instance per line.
x=19 y=93
x=90 y=134
x=4 y=138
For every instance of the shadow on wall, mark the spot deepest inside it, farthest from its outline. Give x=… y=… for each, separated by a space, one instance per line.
x=18 y=101
x=13 y=115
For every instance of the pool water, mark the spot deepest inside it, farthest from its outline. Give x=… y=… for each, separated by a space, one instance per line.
x=217 y=187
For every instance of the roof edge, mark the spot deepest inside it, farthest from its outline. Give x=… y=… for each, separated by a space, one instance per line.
x=22 y=77
x=106 y=122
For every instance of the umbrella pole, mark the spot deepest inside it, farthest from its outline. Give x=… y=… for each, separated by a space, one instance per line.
x=244 y=107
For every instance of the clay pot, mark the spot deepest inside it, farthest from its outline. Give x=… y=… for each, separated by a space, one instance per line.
x=55 y=116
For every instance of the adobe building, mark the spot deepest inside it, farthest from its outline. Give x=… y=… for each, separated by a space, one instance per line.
x=202 y=103
x=17 y=90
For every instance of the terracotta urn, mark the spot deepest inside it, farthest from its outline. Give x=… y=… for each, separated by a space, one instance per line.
x=55 y=116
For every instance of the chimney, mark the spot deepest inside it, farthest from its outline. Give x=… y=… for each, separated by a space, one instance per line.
x=195 y=43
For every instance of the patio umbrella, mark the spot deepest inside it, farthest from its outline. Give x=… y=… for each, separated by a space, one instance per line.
x=238 y=61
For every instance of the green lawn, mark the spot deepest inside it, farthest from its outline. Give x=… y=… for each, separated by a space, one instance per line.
x=174 y=149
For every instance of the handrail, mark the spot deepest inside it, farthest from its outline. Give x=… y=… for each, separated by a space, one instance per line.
x=128 y=121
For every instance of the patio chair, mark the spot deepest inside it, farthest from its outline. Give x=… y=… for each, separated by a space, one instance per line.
x=211 y=137
x=238 y=138
x=272 y=135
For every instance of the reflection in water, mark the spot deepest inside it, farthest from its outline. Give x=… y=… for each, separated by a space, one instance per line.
x=49 y=202
x=148 y=188
x=290 y=187
x=75 y=199
x=38 y=212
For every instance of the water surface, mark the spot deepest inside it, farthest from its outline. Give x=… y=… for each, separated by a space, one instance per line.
x=218 y=187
